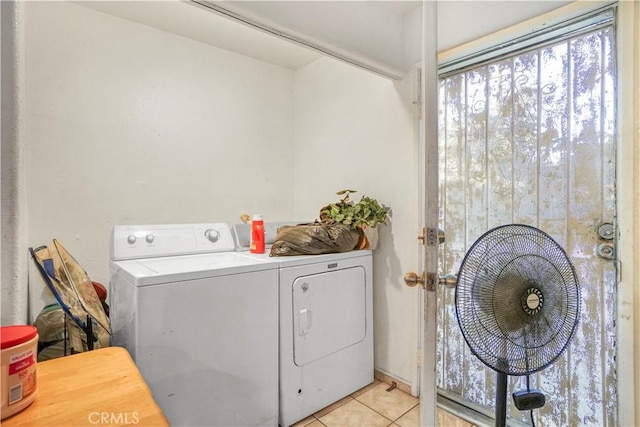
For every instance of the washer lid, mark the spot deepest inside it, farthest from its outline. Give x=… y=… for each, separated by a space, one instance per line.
x=150 y=271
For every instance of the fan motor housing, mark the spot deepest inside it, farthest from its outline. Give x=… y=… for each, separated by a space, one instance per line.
x=532 y=300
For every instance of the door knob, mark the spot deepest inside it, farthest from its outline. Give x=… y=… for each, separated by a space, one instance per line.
x=450 y=281
x=606 y=251
x=412 y=278
x=607 y=231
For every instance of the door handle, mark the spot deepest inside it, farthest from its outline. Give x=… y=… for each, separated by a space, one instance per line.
x=412 y=279
x=606 y=251
x=607 y=231
x=449 y=280
x=304 y=321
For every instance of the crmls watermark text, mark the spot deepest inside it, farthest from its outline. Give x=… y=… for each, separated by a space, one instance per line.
x=119 y=418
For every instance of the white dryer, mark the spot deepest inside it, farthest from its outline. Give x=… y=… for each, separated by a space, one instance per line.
x=326 y=330
x=326 y=327
x=200 y=321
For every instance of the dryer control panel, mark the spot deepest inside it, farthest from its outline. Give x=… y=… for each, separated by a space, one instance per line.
x=148 y=241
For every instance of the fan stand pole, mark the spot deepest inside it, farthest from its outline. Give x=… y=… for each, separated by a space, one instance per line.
x=501 y=400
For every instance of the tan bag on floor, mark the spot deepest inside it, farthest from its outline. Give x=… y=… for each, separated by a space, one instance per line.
x=59 y=336
x=77 y=301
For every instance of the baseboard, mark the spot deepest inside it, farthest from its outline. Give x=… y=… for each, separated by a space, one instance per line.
x=388 y=379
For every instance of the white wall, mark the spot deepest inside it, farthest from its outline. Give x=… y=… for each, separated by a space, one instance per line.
x=126 y=124
x=355 y=130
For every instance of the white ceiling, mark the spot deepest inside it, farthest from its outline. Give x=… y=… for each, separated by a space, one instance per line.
x=189 y=20
x=368 y=33
x=372 y=33
x=380 y=35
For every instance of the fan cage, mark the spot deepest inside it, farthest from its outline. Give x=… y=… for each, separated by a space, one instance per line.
x=517 y=299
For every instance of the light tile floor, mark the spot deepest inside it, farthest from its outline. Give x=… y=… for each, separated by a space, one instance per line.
x=374 y=406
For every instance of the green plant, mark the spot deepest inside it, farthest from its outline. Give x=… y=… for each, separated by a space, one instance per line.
x=365 y=212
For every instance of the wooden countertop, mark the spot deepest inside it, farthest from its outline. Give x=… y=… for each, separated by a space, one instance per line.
x=95 y=388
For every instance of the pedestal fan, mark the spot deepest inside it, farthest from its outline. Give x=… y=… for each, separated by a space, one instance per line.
x=517 y=303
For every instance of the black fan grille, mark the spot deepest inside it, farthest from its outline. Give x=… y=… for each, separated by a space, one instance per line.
x=517 y=299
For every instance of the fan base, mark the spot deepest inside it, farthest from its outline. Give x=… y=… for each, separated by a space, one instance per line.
x=528 y=400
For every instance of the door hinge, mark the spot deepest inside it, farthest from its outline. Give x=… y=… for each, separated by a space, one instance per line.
x=418 y=101
x=619 y=271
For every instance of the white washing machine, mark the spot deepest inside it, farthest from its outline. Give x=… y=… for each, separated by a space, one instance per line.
x=326 y=326
x=200 y=321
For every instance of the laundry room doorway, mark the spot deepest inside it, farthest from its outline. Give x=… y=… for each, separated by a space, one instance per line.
x=529 y=136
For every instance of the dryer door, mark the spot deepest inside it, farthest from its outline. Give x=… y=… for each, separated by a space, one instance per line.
x=329 y=313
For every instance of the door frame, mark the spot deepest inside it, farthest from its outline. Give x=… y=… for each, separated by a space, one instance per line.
x=628 y=244
x=429 y=98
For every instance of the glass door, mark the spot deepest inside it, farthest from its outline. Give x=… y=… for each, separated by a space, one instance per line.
x=530 y=138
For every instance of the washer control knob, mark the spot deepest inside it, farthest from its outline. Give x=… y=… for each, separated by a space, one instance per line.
x=212 y=235
x=131 y=239
x=149 y=238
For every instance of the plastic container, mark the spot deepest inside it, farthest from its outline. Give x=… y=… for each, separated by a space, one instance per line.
x=19 y=351
x=257 y=235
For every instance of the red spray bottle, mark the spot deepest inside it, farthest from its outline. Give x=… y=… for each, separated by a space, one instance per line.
x=257 y=235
